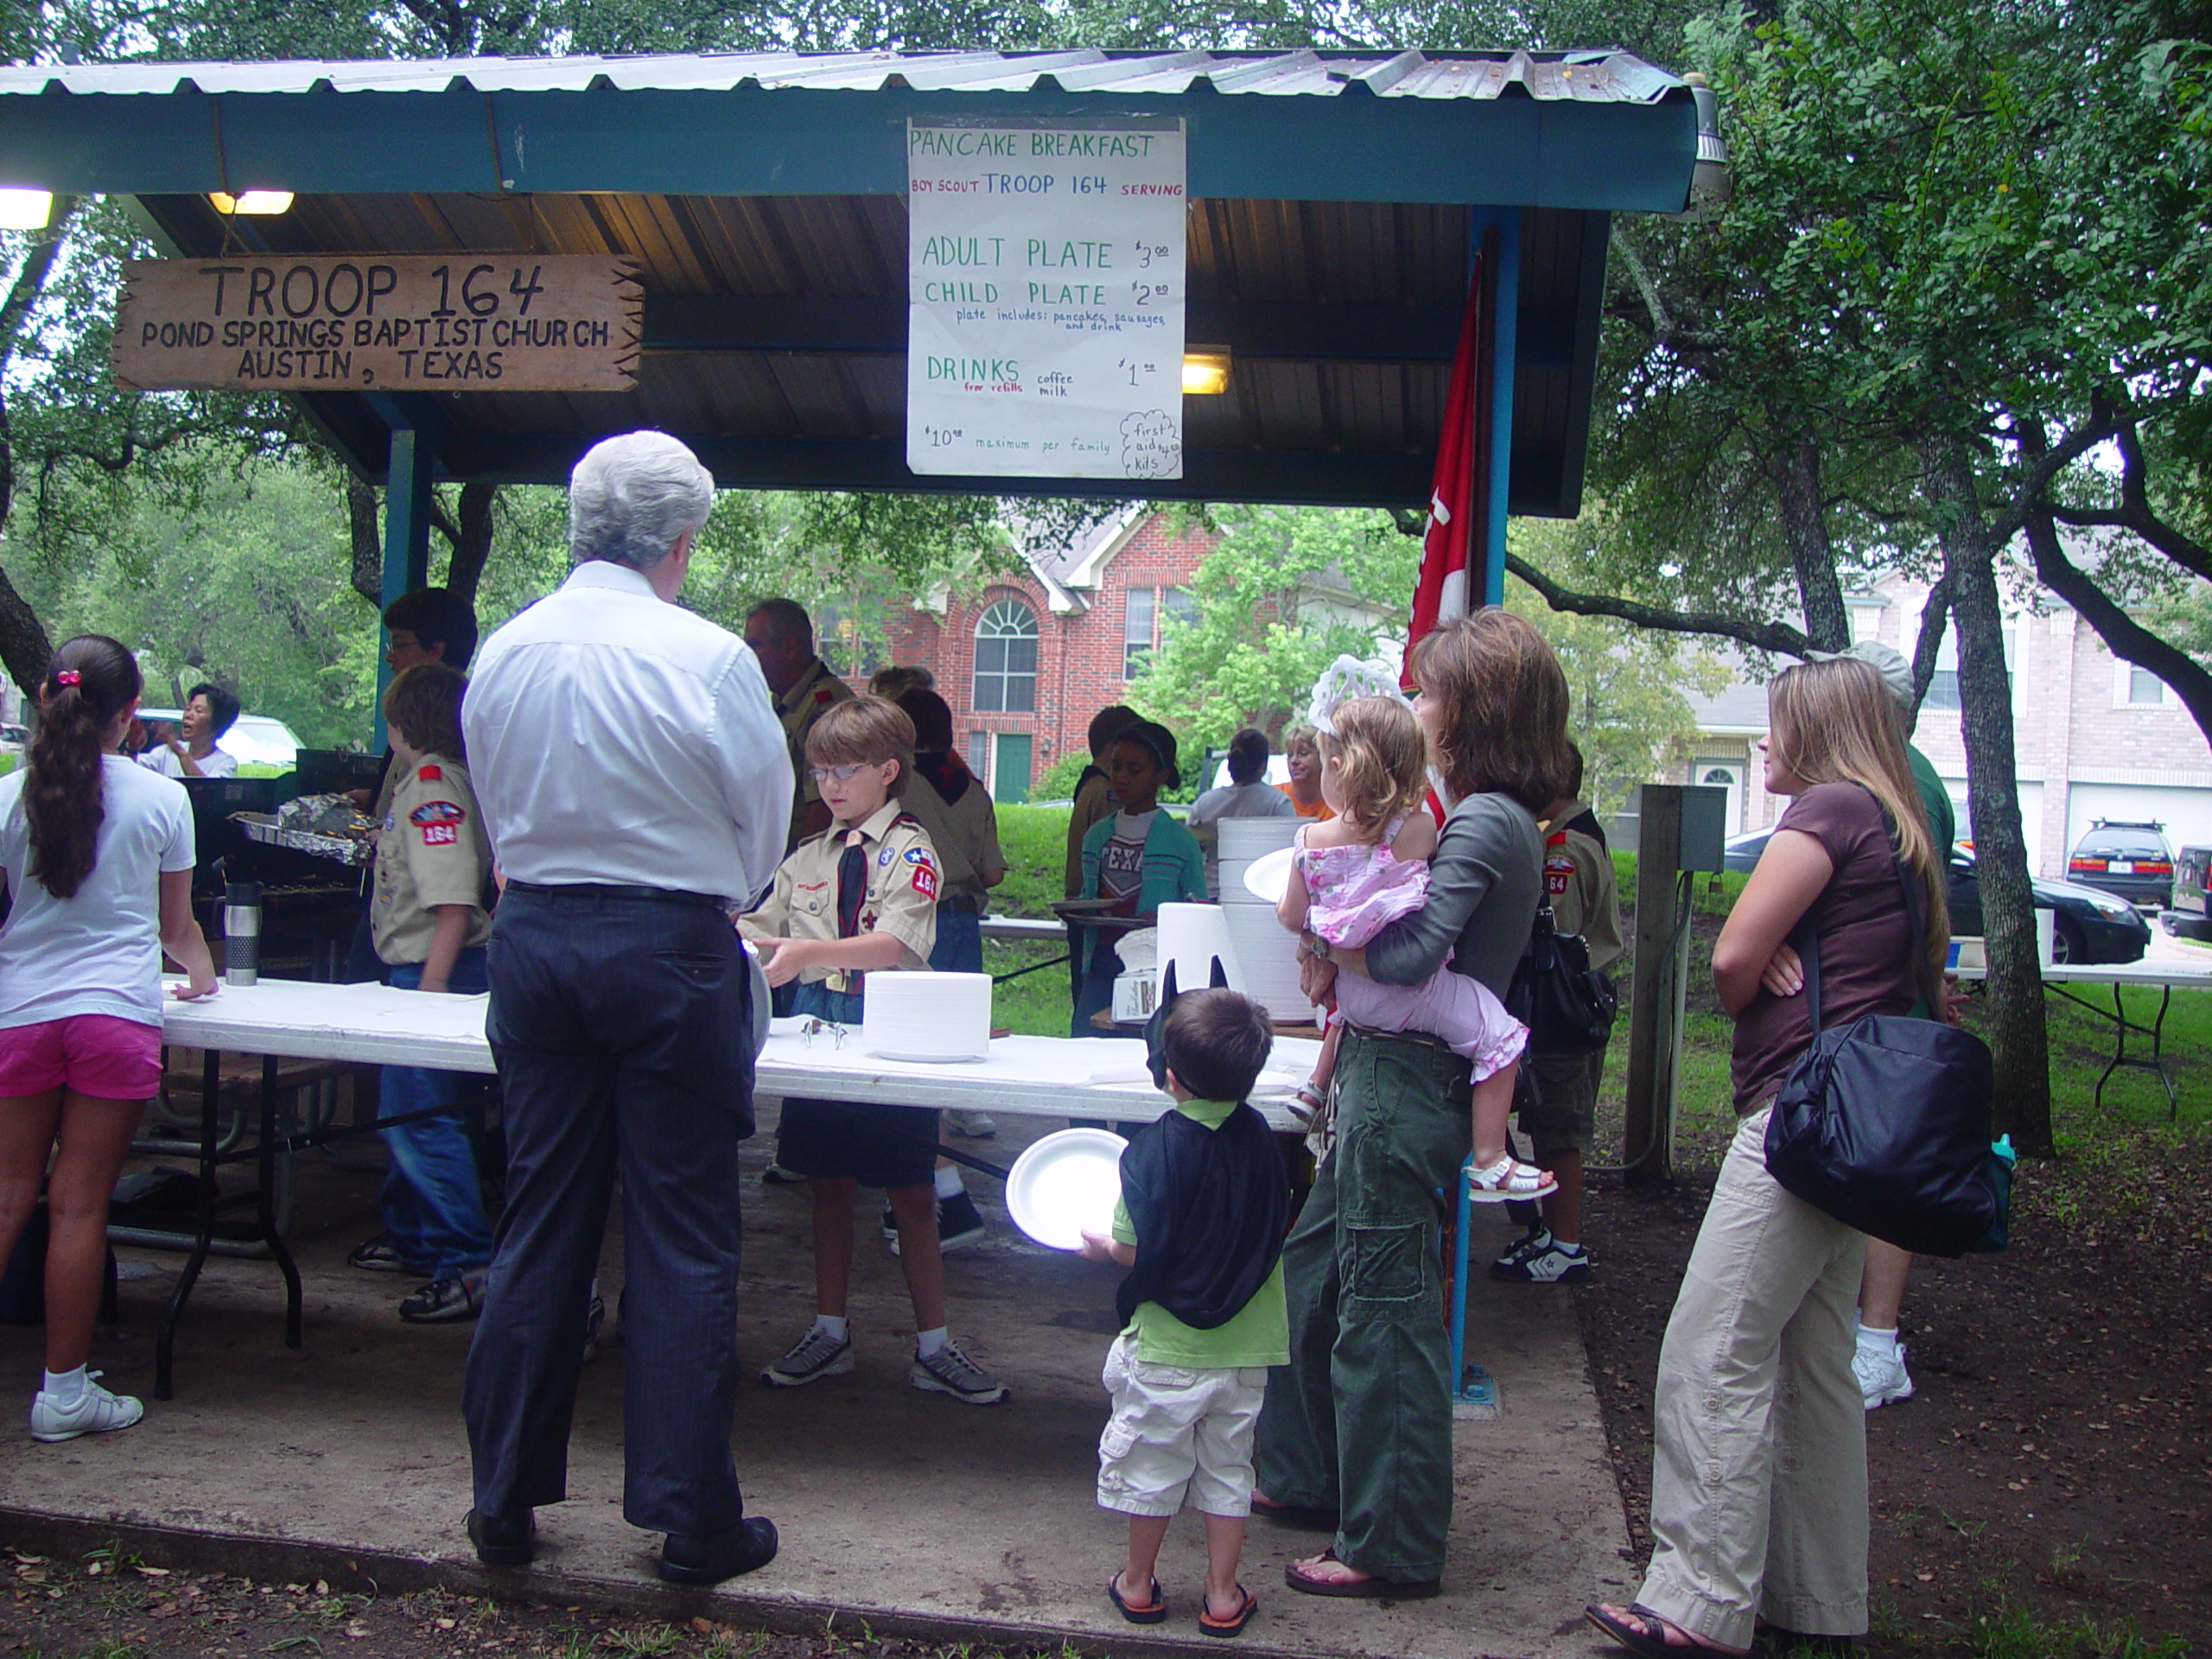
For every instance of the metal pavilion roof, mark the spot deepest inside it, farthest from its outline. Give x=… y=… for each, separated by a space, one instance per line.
x=1335 y=202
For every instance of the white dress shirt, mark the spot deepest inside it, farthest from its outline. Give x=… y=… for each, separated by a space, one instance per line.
x=613 y=738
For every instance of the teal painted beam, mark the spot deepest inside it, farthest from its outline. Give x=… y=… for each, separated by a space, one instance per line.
x=406 y=531
x=1508 y=151
x=1503 y=359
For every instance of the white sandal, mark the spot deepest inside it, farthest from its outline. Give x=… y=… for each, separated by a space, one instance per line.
x=1509 y=1179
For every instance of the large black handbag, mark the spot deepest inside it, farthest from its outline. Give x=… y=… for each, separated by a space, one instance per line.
x=1567 y=1005
x=1885 y=1123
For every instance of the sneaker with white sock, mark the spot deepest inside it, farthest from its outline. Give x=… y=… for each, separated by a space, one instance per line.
x=93 y=1412
x=1883 y=1380
x=813 y=1357
x=950 y=1371
x=1534 y=1241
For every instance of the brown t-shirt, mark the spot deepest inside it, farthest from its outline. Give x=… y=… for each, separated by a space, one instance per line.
x=1864 y=937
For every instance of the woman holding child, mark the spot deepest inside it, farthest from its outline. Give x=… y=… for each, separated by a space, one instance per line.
x=1358 y=1426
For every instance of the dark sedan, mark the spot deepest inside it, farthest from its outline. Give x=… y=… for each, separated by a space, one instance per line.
x=2090 y=926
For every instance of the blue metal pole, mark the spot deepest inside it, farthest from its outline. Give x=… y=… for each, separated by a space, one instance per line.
x=406 y=532
x=1507 y=301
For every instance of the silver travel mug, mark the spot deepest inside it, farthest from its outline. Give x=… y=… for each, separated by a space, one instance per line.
x=242 y=933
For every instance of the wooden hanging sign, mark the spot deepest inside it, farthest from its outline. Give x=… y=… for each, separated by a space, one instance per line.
x=360 y=323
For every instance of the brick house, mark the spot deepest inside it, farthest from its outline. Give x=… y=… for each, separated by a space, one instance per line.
x=2095 y=736
x=1026 y=663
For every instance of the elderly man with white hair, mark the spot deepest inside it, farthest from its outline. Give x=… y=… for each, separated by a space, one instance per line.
x=634 y=785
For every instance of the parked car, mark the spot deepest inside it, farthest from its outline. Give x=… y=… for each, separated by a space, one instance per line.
x=256 y=739
x=13 y=737
x=2128 y=859
x=2190 y=917
x=2089 y=927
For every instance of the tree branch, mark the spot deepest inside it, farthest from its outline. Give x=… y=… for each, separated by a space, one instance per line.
x=2135 y=512
x=1928 y=648
x=1778 y=636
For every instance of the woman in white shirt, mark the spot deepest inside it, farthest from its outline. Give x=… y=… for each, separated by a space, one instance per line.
x=190 y=751
x=97 y=855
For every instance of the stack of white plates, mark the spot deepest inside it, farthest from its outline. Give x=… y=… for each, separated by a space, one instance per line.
x=928 y=1016
x=1266 y=952
x=1243 y=840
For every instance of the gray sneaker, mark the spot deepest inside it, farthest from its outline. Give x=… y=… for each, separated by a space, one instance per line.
x=93 y=1412
x=813 y=1357
x=950 y=1371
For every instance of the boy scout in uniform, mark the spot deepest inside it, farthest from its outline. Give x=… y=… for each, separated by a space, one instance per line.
x=859 y=899
x=1558 y=1111
x=428 y=924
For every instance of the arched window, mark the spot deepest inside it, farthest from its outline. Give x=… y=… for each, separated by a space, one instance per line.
x=1006 y=659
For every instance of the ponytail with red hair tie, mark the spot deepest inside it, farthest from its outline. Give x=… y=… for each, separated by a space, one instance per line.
x=66 y=676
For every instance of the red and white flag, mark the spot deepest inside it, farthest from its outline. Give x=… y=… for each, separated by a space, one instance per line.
x=1440 y=592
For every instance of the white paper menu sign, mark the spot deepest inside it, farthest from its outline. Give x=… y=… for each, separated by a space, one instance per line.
x=1045 y=297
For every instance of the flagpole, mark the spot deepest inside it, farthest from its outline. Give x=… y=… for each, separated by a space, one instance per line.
x=1503 y=309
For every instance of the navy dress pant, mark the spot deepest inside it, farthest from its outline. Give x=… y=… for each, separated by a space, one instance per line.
x=622 y=1028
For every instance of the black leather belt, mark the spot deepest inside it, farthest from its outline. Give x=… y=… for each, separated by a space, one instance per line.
x=960 y=904
x=604 y=890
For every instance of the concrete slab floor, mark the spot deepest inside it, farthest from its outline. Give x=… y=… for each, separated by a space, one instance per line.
x=904 y=1509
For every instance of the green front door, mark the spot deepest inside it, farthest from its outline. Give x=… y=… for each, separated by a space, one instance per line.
x=1010 y=766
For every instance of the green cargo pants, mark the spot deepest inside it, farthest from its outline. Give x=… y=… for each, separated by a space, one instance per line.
x=1360 y=1421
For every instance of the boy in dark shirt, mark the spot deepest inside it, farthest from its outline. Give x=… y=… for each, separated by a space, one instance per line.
x=1203 y=1210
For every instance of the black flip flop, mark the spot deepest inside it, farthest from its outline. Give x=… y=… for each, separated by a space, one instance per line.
x=1155 y=1614
x=1362 y=1589
x=1235 y=1626
x=1643 y=1641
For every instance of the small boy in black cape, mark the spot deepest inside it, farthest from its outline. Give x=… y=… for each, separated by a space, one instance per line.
x=1203 y=1209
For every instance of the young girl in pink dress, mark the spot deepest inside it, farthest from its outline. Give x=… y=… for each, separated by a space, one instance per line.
x=1355 y=873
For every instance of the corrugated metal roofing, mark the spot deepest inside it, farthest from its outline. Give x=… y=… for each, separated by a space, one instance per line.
x=1584 y=77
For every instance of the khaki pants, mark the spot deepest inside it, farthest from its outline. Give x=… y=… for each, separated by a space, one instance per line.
x=1758 y=1469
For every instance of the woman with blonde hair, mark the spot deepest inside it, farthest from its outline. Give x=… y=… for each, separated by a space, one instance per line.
x=1758 y=1484
x=1356 y=1431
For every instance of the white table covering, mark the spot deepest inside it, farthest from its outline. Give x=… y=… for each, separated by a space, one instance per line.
x=1031 y=1077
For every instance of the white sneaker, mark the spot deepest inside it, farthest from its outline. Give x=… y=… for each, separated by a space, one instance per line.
x=93 y=1412
x=972 y=1126
x=813 y=1357
x=1882 y=1378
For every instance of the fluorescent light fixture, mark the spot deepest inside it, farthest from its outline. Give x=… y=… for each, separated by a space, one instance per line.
x=25 y=210
x=1205 y=374
x=250 y=201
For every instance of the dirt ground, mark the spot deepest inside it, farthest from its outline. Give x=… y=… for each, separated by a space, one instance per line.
x=2050 y=1483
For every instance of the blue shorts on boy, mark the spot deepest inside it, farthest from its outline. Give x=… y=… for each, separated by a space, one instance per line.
x=1186 y=1401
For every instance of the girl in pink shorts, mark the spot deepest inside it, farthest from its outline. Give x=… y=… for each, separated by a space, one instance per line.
x=97 y=855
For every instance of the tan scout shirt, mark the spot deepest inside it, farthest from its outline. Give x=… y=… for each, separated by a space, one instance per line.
x=430 y=851
x=903 y=883
x=1579 y=882
x=816 y=691
x=963 y=833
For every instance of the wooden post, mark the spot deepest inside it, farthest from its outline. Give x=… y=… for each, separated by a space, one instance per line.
x=1655 y=997
x=406 y=532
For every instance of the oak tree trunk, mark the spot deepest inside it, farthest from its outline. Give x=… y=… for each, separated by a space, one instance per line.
x=2014 y=1025
x=1795 y=470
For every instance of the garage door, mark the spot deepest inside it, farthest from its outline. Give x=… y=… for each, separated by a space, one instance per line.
x=2187 y=813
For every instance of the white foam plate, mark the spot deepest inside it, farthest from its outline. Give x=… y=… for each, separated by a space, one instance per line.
x=1269 y=878
x=1066 y=1185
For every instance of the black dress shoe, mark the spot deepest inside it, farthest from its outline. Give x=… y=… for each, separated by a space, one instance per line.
x=687 y=1560
x=503 y=1540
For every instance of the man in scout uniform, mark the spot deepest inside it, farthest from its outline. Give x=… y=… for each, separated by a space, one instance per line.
x=803 y=688
x=858 y=900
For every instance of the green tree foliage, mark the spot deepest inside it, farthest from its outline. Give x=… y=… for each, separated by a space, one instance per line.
x=1629 y=685
x=1283 y=592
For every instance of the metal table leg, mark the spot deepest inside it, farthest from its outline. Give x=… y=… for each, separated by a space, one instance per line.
x=204 y=1228
x=270 y=1233
x=2156 y=1065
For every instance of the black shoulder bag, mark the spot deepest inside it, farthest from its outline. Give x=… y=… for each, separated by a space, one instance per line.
x=1884 y=1124
x=1567 y=1005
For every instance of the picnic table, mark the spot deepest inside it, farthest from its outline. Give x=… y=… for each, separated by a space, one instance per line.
x=1053 y=1077
x=2164 y=974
